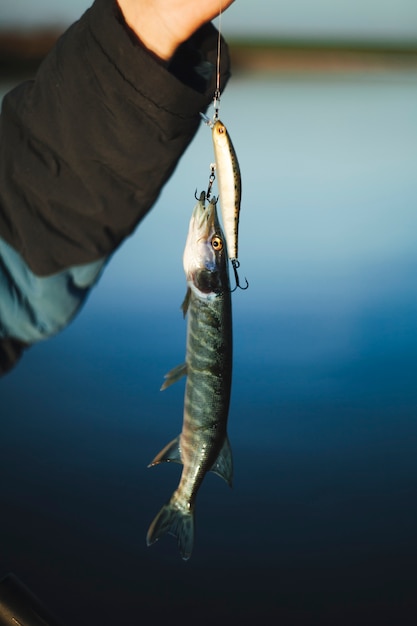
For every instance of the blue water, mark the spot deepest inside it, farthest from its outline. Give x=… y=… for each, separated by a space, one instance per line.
x=320 y=526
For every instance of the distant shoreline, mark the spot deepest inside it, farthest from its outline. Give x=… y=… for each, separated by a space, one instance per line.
x=21 y=52
x=292 y=56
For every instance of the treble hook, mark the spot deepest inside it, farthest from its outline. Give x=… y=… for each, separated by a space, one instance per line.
x=201 y=197
x=236 y=265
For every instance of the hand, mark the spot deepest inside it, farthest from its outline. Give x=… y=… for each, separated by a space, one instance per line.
x=162 y=25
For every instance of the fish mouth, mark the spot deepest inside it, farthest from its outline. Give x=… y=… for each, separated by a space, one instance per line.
x=203 y=221
x=198 y=252
x=203 y=217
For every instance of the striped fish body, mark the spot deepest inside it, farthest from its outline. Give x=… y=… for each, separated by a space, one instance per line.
x=229 y=184
x=203 y=444
x=207 y=393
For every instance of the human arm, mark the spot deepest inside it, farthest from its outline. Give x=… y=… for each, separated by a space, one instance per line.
x=86 y=147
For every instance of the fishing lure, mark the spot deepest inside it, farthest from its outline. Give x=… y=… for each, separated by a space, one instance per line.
x=229 y=185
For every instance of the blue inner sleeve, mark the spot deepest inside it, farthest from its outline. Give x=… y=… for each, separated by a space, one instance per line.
x=33 y=307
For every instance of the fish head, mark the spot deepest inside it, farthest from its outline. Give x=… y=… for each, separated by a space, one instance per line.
x=205 y=253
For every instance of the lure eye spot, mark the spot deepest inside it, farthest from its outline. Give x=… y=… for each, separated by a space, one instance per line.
x=217 y=243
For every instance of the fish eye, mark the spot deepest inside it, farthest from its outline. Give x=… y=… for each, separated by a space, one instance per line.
x=217 y=243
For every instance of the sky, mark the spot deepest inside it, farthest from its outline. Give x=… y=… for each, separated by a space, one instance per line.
x=361 y=19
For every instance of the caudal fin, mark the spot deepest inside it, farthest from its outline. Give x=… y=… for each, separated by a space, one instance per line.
x=177 y=522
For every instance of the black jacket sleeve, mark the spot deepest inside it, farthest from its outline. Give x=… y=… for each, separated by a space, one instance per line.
x=86 y=147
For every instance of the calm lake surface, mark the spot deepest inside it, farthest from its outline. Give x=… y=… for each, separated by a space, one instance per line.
x=321 y=525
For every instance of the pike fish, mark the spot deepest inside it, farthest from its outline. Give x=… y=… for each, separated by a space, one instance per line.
x=203 y=444
x=229 y=183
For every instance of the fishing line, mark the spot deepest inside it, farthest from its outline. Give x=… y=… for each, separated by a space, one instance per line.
x=216 y=98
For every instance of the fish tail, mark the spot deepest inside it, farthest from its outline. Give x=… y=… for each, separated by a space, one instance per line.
x=177 y=522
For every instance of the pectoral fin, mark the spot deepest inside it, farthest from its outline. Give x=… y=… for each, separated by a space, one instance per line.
x=174 y=375
x=171 y=452
x=185 y=304
x=223 y=466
